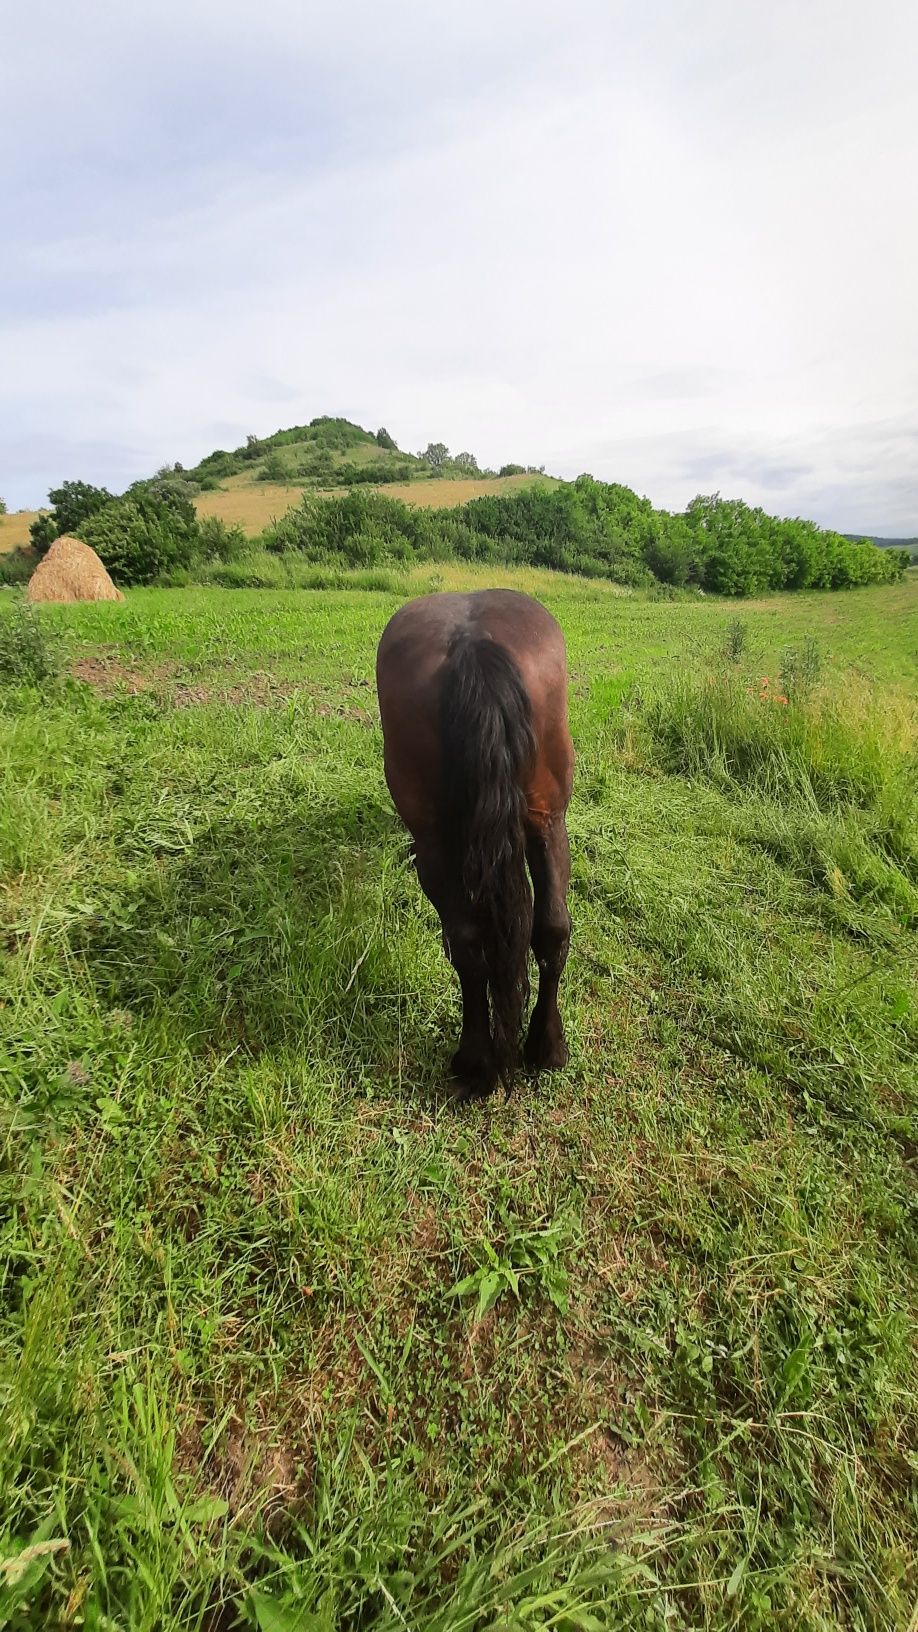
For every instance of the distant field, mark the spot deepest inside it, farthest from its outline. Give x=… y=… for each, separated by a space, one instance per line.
x=251 y=508
x=14 y=530
x=443 y=491
x=254 y=504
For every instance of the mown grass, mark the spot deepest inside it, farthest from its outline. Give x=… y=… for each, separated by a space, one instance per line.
x=249 y=1372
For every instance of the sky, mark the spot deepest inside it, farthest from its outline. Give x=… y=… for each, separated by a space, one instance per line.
x=672 y=243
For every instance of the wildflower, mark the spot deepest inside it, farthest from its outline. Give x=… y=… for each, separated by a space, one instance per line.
x=782 y=700
x=764 y=680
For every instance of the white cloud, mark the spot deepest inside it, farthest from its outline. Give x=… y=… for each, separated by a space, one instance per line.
x=656 y=244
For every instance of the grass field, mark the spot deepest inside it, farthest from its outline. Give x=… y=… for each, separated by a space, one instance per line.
x=254 y=504
x=240 y=1383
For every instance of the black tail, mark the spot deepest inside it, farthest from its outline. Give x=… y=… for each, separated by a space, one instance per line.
x=488 y=746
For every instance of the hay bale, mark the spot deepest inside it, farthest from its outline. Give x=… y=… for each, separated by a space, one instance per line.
x=71 y=571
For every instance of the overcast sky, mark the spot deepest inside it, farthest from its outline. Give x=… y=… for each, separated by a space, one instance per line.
x=674 y=242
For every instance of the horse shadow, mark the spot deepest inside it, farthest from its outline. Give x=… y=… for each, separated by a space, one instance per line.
x=305 y=932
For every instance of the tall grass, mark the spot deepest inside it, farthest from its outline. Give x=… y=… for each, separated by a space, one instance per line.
x=257 y=569
x=840 y=750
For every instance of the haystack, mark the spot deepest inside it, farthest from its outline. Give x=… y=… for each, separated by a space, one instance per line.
x=71 y=571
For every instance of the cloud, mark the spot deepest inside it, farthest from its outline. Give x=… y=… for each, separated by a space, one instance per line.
x=668 y=244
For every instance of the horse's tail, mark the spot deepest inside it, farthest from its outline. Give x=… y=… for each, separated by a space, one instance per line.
x=488 y=746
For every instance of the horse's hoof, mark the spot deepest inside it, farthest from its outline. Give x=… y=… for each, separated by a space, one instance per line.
x=473 y=1077
x=543 y=1053
x=466 y=1092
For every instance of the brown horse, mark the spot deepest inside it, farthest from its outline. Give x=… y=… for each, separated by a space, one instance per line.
x=479 y=762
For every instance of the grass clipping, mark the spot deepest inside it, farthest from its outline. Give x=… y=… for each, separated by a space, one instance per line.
x=71 y=571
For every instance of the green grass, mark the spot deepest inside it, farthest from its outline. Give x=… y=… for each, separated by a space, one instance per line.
x=287 y=1341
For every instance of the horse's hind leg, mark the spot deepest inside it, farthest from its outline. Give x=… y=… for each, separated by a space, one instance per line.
x=549 y=857
x=473 y=1064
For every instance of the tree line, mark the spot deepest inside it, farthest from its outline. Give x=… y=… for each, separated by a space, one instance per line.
x=597 y=529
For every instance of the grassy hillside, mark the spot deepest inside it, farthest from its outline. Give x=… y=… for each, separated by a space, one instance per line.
x=253 y=505
x=14 y=530
x=241 y=1385
x=249 y=505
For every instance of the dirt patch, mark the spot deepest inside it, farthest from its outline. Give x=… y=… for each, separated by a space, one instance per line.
x=107 y=675
x=259 y=689
x=249 y=1466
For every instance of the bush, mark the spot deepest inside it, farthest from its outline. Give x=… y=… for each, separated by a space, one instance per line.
x=738 y=550
x=597 y=529
x=17 y=566
x=218 y=542
x=148 y=533
x=29 y=653
x=375 y=474
x=274 y=469
x=384 y=440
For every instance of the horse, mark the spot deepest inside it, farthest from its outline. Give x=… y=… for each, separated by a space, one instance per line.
x=479 y=762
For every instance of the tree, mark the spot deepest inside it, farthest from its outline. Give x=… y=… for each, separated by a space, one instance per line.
x=71 y=504
x=385 y=440
x=436 y=455
x=466 y=462
x=3 y=510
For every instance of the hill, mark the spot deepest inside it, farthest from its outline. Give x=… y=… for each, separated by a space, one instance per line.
x=333 y=452
x=258 y=482
x=331 y=493
x=14 y=530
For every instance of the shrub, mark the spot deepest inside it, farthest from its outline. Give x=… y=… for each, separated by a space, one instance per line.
x=738 y=550
x=597 y=529
x=274 y=469
x=30 y=654
x=218 y=542
x=150 y=531
x=384 y=440
x=17 y=566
